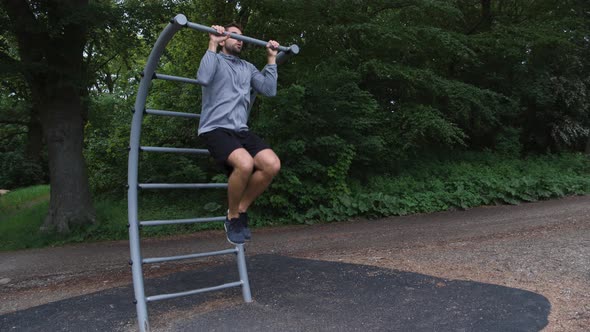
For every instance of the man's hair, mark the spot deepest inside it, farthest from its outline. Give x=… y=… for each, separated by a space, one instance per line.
x=235 y=25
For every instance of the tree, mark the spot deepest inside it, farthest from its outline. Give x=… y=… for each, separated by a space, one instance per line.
x=21 y=155
x=51 y=36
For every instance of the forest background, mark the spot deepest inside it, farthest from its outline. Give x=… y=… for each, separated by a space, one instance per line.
x=391 y=108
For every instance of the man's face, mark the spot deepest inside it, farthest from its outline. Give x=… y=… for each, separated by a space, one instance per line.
x=232 y=46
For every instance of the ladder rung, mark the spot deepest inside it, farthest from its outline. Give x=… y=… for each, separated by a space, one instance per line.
x=196 y=291
x=175 y=114
x=181 y=185
x=179 y=221
x=176 y=78
x=174 y=150
x=200 y=255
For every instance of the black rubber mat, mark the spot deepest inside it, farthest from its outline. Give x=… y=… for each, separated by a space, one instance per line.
x=302 y=295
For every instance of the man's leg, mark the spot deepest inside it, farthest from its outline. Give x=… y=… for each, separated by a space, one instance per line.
x=243 y=165
x=267 y=165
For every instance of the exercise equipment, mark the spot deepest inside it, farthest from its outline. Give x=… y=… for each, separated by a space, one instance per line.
x=149 y=73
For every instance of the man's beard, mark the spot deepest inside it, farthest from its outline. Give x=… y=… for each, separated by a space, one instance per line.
x=233 y=50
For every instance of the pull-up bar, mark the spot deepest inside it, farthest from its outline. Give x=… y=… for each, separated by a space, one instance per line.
x=182 y=20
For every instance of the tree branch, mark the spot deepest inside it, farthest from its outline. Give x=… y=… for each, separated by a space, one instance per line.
x=106 y=62
x=25 y=27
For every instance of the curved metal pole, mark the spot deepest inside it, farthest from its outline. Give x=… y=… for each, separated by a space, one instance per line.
x=176 y=24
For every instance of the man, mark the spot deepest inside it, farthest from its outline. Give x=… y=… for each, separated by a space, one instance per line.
x=251 y=164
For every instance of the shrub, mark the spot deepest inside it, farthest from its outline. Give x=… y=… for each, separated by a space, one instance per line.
x=18 y=171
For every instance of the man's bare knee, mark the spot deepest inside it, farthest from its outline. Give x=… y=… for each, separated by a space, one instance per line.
x=245 y=166
x=273 y=167
x=268 y=162
x=241 y=161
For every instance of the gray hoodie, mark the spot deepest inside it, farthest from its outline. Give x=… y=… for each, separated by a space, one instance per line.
x=226 y=81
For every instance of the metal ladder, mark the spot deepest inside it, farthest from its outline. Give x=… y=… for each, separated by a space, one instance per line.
x=136 y=261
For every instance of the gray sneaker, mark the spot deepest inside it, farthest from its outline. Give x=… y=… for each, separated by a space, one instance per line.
x=246 y=230
x=234 y=230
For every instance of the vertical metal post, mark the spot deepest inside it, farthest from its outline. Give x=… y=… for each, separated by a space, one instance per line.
x=136 y=260
x=243 y=271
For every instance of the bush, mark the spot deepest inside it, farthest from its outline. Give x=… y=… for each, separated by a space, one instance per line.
x=473 y=180
x=18 y=171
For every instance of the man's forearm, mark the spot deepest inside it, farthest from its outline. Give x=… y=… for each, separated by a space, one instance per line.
x=272 y=60
x=213 y=46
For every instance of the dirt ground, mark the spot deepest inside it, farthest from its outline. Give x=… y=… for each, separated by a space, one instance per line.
x=542 y=247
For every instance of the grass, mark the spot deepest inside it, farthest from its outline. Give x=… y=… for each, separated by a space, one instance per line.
x=22 y=212
x=17 y=199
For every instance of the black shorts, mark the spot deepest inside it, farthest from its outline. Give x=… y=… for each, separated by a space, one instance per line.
x=221 y=142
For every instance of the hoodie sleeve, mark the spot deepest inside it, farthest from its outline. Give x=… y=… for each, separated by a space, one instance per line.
x=265 y=82
x=207 y=68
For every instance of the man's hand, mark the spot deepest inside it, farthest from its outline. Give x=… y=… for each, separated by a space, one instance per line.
x=215 y=39
x=272 y=48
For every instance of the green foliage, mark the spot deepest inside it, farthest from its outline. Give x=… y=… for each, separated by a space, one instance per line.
x=18 y=171
x=475 y=180
x=420 y=126
x=508 y=141
x=106 y=142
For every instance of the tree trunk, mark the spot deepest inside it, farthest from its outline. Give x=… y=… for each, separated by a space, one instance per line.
x=34 y=136
x=588 y=146
x=486 y=14
x=51 y=53
x=485 y=20
x=70 y=202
